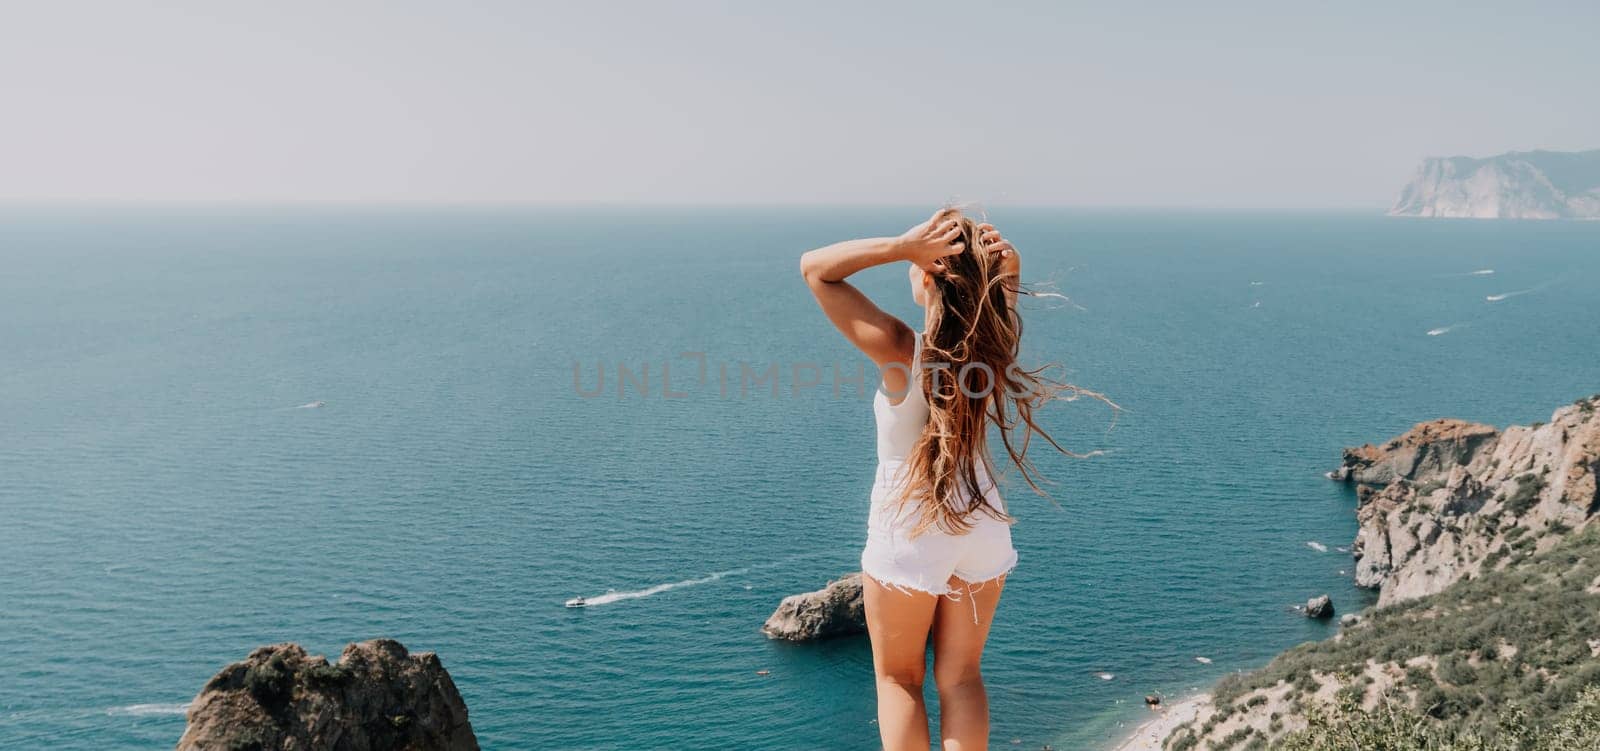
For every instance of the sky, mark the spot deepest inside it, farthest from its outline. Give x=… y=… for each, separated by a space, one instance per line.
x=1225 y=105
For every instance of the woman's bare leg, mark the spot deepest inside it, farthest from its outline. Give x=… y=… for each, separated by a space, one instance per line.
x=898 y=622
x=957 y=650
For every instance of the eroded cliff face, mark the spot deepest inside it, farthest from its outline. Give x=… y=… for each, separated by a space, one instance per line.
x=377 y=697
x=1443 y=509
x=1515 y=185
x=1459 y=497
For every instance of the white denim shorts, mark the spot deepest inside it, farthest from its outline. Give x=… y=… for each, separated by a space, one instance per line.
x=926 y=562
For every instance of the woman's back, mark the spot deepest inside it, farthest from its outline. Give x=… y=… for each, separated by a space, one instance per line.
x=901 y=424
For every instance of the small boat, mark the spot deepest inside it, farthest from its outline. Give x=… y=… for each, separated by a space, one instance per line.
x=577 y=602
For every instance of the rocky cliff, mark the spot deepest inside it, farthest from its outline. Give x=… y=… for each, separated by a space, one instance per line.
x=1459 y=497
x=377 y=697
x=1515 y=185
x=1488 y=569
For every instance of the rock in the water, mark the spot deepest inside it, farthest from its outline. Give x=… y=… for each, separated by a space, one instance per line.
x=1151 y=700
x=1319 y=607
x=376 y=697
x=834 y=610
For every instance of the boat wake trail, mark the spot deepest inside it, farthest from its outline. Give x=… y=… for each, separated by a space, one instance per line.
x=1518 y=293
x=610 y=597
x=139 y=710
x=1509 y=295
x=1442 y=330
x=1480 y=272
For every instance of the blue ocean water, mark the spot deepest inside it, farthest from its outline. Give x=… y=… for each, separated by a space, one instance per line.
x=168 y=501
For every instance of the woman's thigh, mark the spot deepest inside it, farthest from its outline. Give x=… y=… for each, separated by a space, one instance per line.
x=898 y=621
x=961 y=628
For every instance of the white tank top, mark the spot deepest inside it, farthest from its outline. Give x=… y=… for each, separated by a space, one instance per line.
x=900 y=425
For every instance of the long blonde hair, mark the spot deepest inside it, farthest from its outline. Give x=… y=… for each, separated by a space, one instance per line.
x=974 y=331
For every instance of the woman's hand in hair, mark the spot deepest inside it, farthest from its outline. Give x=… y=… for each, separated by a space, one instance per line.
x=990 y=241
x=932 y=240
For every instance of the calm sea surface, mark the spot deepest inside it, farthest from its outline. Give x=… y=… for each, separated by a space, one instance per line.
x=167 y=504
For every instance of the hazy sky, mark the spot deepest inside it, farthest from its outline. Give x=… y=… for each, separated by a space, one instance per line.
x=1175 y=104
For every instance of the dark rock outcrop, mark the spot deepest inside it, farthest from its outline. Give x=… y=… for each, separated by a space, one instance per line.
x=1319 y=607
x=834 y=610
x=377 y=697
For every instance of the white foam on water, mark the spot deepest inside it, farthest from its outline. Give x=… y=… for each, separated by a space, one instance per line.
x=610 y=597
x=1317 y=546
x=1203 y=660
x=1257 y=284
x=1061 y=297
x=1517 y=293
x=1459 y=274
x=1442 y=330
x=141 y=710
x=1104 y=676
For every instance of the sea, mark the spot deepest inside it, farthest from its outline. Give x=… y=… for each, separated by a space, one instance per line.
x=223 y=427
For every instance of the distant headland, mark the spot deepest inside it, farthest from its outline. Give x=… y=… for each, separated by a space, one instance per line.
x=1514 y=185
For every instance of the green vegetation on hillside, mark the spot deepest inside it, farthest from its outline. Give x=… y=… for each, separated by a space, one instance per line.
x=1516 y=641
x=1395 y=727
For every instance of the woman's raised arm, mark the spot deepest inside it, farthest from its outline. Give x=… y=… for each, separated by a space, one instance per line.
x=881 y=336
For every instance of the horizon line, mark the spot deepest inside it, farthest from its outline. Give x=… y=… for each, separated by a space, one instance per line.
x=13 y=202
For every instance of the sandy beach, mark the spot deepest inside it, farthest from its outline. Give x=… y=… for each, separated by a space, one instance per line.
x=1154 y=730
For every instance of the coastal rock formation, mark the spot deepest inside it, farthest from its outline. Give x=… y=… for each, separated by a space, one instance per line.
x=1460 y=497
x=376 y=697
x=1486 y=536
x=1515 y=185
x=1319 y=607
x=1427 y=449
x=834 y=610
x=1515 y=639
